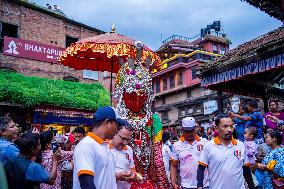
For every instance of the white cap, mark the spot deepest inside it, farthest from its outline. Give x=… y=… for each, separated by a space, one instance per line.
x=188 y=123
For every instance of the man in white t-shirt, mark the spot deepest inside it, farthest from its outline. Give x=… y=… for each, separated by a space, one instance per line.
x=187 y=152
x=224 y=157
x=123 y=156
x=93 y=162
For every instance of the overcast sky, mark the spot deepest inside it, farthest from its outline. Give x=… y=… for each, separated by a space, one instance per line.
x=151 y=20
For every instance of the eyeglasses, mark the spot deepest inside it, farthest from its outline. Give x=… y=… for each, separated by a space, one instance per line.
x=124 y=139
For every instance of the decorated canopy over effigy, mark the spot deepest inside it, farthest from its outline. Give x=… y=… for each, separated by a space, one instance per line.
x=132 y=61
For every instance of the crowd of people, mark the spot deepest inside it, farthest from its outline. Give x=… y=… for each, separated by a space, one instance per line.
x=239 y=151
x=98 y=159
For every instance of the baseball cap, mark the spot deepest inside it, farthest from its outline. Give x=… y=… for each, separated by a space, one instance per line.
x=188 y=123
x=123 y=122
x=107 y=112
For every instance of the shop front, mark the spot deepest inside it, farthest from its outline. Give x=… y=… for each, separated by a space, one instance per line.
x=62 y=120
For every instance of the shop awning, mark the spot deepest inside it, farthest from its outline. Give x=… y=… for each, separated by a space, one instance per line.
x=33 y=91
x=256 y=67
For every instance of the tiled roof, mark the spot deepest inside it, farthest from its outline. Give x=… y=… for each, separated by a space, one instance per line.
x=216 y=39
x=246 y=50
x=56 y=14
x=174 y=41
x=271 y=7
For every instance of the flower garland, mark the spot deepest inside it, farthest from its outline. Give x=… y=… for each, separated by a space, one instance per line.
x=134 y=91
x=139 y=83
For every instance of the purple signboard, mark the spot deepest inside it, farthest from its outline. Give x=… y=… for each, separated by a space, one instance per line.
x=31 y=50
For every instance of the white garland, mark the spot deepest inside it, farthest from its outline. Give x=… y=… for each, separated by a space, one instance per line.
x=128 y=82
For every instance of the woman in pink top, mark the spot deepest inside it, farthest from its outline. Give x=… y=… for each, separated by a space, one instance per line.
x=46 y=138
x=273 y=106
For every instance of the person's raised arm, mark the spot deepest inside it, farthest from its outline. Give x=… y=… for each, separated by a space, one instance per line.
x=55 y=161
x=244 y=118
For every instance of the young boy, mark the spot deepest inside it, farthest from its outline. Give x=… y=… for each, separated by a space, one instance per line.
x=251 y=151
x=250 y=144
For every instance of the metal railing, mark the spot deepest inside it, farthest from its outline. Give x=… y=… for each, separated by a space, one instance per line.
x=188 y=39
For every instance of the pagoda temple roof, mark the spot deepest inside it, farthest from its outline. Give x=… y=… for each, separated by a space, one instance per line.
x=247 y=52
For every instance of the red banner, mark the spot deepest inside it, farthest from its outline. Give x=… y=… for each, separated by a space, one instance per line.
x=31 y=50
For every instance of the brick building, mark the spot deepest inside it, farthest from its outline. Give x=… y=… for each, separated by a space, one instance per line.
x=41 y=28
x=176 y=86
x=46 y=25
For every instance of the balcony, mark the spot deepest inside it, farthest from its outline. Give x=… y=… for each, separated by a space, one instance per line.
x=186 y=58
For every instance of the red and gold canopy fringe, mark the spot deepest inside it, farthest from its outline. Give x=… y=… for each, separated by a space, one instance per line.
x=97 y=56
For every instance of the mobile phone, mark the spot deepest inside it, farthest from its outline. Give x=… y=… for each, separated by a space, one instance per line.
x=54 y=146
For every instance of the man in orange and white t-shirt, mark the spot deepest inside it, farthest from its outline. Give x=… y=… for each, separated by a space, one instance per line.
x=187 y=152
x=93 y=162
x=123 y=157
x=224 y=157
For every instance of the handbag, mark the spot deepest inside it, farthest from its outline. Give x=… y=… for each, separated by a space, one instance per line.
x=277 y=182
